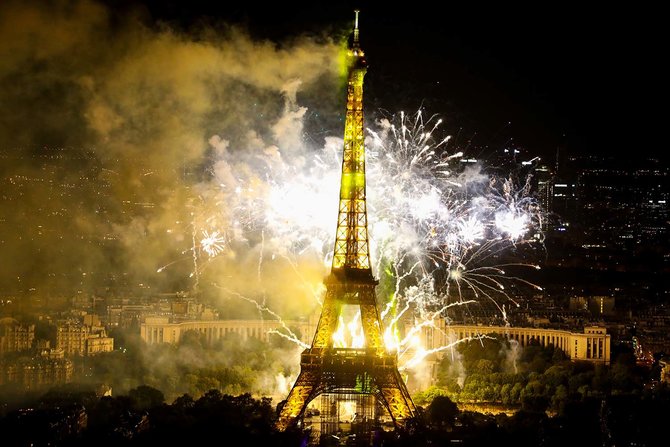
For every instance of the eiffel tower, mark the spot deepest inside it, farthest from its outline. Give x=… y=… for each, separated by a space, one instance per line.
x=324 y=368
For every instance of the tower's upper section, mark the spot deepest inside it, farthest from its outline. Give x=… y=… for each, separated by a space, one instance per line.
x=356 y=56
x=351 y=256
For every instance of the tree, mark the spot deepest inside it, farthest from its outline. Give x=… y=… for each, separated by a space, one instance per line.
x=145 y=397
x=533 y=398
x=559 y=399
x=442 y=412
x=476 y=350
x=428 y=395
x=184 y=402
x=515 y=393
x=556 y=375
x=505 y=394
x=484 y=366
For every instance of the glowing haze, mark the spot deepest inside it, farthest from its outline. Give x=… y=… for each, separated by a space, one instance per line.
x=199 y=174
x=108 y=141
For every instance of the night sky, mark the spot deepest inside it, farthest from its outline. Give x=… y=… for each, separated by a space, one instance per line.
x=117 y=116
x=585 y=79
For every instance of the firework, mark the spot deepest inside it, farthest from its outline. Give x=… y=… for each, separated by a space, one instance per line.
x=431 y=214
x=438 y=225
x=212 y=243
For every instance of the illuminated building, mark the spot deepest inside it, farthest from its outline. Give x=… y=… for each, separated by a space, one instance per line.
x=128 y=315
x=92 y=320
x=665 y=370
x=46 y=369
x=598 y=306
x=364 y=378
x=99 y=342
x=155 y=330
x=14 y=336
x=613 y=212
x=79 y=339
x=592 y=345
x=71 y=338
x=543 y=183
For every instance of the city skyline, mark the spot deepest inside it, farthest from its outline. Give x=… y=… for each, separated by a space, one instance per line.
x=242 y=219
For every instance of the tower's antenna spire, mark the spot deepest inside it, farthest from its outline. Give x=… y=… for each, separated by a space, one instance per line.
x=356 y=44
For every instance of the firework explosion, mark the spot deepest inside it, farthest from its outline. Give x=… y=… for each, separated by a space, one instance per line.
x=437 y=225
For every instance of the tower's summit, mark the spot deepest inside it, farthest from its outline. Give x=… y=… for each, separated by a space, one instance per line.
x=356 y=54
x=356 y=26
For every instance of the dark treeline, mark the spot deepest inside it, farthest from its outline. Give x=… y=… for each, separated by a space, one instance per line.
x=551 y=400
x=68 y=416
x=71 y=417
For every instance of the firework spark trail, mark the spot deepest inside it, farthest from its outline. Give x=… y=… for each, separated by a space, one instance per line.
x=196 y=270
x=163 y=267
x=290 y=335
x=400 y=276
x=260 y=255
x=420 y=354
x=429 y=214
x=407 y=343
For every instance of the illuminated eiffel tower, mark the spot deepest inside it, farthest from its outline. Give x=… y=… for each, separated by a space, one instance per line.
x=371 y=370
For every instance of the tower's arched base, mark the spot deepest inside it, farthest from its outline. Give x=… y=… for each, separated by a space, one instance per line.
x=349 y=372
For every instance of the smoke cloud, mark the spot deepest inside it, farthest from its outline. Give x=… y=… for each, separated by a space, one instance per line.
x=120 y=138
x=140 y=158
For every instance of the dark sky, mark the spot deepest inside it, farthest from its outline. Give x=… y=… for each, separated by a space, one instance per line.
x=585 y=78
x=106 y=119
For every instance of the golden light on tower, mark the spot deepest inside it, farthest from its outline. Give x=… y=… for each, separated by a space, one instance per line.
x=366 y=367
x=352 y=247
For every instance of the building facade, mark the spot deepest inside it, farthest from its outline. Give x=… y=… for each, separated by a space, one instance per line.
x=79 y=339
x=36 y=372
x=14 y=336
x=592 y=345
x=156 y=330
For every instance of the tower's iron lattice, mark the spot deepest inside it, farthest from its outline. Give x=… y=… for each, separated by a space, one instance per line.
x=325 y=369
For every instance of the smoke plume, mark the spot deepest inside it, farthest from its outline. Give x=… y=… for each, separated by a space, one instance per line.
x=117 y=132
